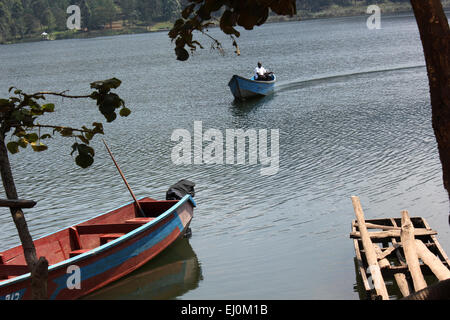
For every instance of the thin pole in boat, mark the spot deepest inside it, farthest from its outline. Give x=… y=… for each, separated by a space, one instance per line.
x=125 y=180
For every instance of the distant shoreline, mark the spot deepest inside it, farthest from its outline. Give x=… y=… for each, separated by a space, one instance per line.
x=333 y=11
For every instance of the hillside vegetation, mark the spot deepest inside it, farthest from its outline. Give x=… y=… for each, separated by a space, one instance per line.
x=22 y=20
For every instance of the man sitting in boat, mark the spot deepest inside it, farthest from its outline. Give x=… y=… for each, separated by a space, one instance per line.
x=261 y=74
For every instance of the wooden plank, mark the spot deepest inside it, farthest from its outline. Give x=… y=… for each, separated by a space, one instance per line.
x=393 y=233
x=105 y=238
x=360 y=263
x=402 y=283
x=435 y=264
x=371 y=256
x=107 y=228
x=13 y=269
x=140 y=220
x=386 y=252
x=400 y=278
x=383 y=262
x=380 y=226
x=74 y=253
x=441 y=251
x=17 y=203
x=409 y=247
x=395 y=243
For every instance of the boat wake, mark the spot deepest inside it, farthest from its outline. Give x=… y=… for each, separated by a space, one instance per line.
x=302 y=83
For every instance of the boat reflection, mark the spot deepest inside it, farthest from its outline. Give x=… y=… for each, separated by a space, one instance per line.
x=243 y=107
x=170 y=275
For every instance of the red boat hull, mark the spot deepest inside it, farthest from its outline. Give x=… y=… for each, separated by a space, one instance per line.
x=86 y=257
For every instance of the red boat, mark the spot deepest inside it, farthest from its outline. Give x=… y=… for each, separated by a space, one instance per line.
x=89 y=255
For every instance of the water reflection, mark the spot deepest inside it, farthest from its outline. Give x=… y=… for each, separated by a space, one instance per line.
x=243 y=107
x=173 y=273
x=358 y=286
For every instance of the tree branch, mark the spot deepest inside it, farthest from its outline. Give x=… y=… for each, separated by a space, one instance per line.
x=59 y=127
x=60 y=94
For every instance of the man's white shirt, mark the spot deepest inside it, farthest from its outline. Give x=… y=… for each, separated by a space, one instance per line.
x=260 y=71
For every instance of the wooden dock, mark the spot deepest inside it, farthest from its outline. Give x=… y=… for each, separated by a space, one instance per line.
x=401 y=251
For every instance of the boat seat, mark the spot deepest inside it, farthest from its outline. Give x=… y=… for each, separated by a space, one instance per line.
x=140 y=220
x=7 y=270
x=105 y=238
x=74 y=253
x=107 y=228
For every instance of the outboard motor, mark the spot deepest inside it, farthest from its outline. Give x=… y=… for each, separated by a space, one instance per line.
x=180 y=189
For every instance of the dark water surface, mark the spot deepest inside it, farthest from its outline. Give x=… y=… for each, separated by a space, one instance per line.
x=352 y=108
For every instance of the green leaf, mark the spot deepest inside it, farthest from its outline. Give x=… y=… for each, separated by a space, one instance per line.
x=22 y=143
x=89 y=135
x=84 y=160
x=31 y=137
x=19 y=132
x=125 y=112
x=5 y=105
x=17 y=115
x=83 y=138
x=49 y=107
x=74 y=148
x=111 y=117
x=98 y=127
x=38 y=147
x=4 y=102
x=13 y=147
x=106 y=85
x=181 y=53
x=85 y=149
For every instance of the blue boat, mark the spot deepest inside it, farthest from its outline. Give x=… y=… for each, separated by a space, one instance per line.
x=243 y=88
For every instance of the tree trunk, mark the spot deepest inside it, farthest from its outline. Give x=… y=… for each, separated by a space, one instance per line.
x=38 y=268
x=435 y=36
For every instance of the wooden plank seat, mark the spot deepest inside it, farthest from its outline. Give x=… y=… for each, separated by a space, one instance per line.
x=140 y=220
x=74 y=253
x=106 y=232
x=107 y=228
x=13 y=270
x=104 y=238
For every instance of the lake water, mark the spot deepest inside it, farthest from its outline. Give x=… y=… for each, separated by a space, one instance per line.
x=353 y=113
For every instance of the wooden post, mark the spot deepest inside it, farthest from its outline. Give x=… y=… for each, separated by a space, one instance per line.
x=371 y=256
x=409 y=247
x=399 y=277
x=439 y=269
